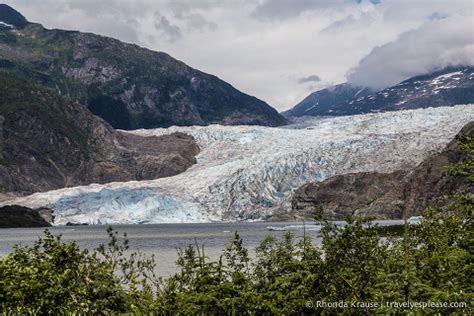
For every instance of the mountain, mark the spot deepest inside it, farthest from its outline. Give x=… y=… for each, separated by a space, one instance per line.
x=450 y=86
x=128 y=86
x=48 y=141
x=321 y=102
x=9 y=18
x=441 y=88
x=251 y=172
x=386 y=195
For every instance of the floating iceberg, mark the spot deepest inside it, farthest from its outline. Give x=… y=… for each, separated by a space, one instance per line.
x=310 y=227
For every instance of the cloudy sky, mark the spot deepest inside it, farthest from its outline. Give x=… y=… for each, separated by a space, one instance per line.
x=281 y=50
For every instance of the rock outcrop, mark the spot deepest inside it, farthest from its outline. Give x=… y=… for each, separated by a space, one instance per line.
x=49 y=142
x=128 y=86
x=386 y=196
x=343 y=195
x=12 y=216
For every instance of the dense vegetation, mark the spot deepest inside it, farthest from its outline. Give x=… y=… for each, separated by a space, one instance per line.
x=431 y=262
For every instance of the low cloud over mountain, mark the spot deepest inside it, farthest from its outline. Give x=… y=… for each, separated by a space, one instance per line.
x=437 y=44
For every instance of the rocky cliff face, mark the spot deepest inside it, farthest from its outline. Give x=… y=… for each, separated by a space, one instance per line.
x=48 y=142
x=386 y=195
x=128 y=86
x=342 y=195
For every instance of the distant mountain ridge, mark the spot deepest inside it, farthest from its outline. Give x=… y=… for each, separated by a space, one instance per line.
x=128 y=86
x=11 y=18
x=321 y=102
x=446 y=87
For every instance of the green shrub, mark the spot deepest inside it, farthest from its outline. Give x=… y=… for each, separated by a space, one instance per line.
x=53 y=277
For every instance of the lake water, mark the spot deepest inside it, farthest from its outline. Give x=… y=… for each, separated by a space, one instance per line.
x=162 y=240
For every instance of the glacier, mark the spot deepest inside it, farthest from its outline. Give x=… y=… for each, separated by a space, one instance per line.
x=248 y=172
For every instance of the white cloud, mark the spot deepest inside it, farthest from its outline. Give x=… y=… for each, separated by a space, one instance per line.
x=172 y=32
x=310 y=78
x=261 y=47
x=434 y=45
x=285 y=9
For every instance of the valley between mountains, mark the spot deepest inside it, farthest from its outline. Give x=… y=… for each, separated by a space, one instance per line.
x=251 y=172
x=97 y=131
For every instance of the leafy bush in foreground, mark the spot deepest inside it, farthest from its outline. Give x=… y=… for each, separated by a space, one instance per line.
x=53 y=277
x=288 y=276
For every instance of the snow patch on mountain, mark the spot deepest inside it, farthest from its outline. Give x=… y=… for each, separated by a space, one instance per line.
x=247 y=172
x=448 y=75
x=3 y=24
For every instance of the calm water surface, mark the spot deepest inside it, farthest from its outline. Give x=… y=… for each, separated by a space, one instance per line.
x=162 y=240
